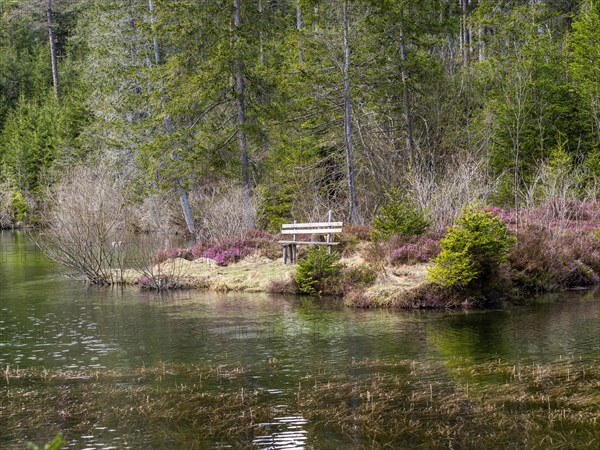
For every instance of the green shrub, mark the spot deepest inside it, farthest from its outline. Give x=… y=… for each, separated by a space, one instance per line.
x=56 y=444
x=276 y=209
x=472 y=251
x=399 y=216
x=18 y=206
x=316 y=269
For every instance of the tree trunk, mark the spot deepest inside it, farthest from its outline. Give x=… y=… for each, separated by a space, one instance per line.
x=465 y=33
x=155 y=37
x=299 y=27
x=261 y=54
x=480 y=34
x=184 y=199
x=410 y=141
x=240 y=91
x=353 y=213
x=52 y=48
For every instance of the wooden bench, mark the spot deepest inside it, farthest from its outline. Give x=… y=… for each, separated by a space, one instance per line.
x=321 y=233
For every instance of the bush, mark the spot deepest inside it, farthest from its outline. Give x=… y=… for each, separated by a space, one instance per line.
x=415 y=251
x=228 y=251
x=283 y=286
x=360 y=232
x=86 y=224
x=226 y=213
x=547 y=259
x=399 y=217
x=276 y=209
x=472 y=251
x=18 y=207
x=56 y=444
x=316 y=270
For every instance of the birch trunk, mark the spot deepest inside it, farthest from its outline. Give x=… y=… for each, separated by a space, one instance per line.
x=155 y=37
x=354 y=216
x=53 y=60
x=299 y=27
x=261 y=55
x=465 y=33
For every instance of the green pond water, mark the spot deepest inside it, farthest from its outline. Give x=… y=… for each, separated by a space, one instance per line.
x=48 y=322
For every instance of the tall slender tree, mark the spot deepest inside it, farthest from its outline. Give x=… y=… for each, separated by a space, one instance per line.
x=51 y=39
x=240 y=92
x=353 y=205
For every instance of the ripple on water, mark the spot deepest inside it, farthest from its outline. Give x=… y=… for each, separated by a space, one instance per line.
x=286 y=431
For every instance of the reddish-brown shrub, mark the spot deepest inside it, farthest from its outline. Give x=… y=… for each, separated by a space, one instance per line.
x=415 y=250
x=283 y=286
x=361 y=232
x=228 y=251
x=375 y=253
x=550 y=258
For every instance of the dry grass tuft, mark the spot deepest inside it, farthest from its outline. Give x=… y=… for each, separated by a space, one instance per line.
x=373 y=403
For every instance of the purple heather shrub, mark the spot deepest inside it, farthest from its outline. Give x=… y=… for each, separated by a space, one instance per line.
x=144 y=282
x=232 y=250
x=171 y=253
x=418 y=250
x=197 y=250
x=405 y=253
x=224 y=256
x=161 y=255
x=255 y=234
x=502 y=214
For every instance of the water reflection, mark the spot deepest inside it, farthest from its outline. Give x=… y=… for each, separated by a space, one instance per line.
x=285 y=431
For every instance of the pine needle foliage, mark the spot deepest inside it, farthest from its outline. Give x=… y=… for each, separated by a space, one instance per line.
x=399 y=216
x=472 y=251
x=316 y=269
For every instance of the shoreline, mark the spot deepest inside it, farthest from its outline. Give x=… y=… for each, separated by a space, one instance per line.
x=395 y=287
x=399 y=287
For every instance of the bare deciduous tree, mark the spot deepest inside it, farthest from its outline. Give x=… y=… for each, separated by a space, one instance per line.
x=85 y=225
x=225 y=213
x=445 y=196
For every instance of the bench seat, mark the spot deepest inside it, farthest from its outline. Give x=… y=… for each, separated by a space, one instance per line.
x=323 y=229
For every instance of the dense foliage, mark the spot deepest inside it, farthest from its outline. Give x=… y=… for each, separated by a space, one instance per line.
x=399 y=217
x=472 y=251
x=316 y=269
x=301 y=105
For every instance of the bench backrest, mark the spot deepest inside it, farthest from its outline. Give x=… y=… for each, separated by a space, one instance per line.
x=312 y=228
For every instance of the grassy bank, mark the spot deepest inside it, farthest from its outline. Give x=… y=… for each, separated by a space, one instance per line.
x=253 y=273
x=402 y=261
x=539 y=255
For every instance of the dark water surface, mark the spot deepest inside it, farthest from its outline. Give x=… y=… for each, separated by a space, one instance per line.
x=47 y=321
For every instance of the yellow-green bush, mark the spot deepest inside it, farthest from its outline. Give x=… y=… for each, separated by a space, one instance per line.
x=472 y=251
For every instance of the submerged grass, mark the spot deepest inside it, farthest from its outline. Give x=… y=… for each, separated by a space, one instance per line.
x=373 y=404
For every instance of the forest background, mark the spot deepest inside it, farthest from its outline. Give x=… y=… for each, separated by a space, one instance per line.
x=215 y=116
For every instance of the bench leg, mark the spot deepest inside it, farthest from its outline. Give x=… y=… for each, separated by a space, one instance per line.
x=294 y=249
x=285 y=254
